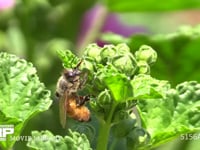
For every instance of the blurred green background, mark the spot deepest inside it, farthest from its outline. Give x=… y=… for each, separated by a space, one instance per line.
x=34 y=30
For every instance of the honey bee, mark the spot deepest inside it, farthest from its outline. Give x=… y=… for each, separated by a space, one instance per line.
x=70 y=103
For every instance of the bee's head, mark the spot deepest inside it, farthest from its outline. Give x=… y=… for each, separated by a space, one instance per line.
x=71 y=74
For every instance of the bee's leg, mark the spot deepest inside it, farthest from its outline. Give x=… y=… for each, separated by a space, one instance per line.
x=78 y=101
x=81 y=100
x=86 y=98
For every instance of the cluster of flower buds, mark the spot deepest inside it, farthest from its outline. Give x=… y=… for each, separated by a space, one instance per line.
x=110 y=66
x=121 y=58
x=112 y=73
x=111 y=69
x=145 y=57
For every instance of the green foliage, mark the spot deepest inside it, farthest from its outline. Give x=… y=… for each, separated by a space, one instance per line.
x=144 y=86
x=115 y=84
x=178 y=59
x=174 y=115
x=165 y=113
x=121 y=84
x=150 y=5
x=130 y=107
x=118 y=71
x=147 y=54
x=46 y=140
x=22 y=95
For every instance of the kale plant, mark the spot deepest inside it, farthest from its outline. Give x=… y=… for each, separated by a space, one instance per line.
x=132 y=108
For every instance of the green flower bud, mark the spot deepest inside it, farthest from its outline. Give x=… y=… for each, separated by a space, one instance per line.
x=122 y=48
x=97 y=109
x=104 y=98
x=144 y=68
x=94 y=106
x=88 y=64
x=93 y=51
x=146 y=53
x=107 y=53
x=125 y=64
x=98 y=84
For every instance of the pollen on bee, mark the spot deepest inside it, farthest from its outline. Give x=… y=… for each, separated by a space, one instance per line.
x=80 y=113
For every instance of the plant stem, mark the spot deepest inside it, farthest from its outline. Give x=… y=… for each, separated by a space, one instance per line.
x=103 y=136
x=104 y=130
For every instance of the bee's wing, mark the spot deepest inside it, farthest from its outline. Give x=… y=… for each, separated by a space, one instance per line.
x=62 y=110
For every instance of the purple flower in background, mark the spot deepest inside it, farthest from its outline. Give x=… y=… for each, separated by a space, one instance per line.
x=6 y=4
x=98 y=20
x=114 y=25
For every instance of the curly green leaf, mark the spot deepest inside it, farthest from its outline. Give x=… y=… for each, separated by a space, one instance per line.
x=22 y=95
x=46 y=140
x=174 y=115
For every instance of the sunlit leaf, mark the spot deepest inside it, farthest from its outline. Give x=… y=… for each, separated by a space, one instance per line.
x=118 y=83
x=144 y=86
x=22 y=95
x=177 y=114
x=119 y=86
